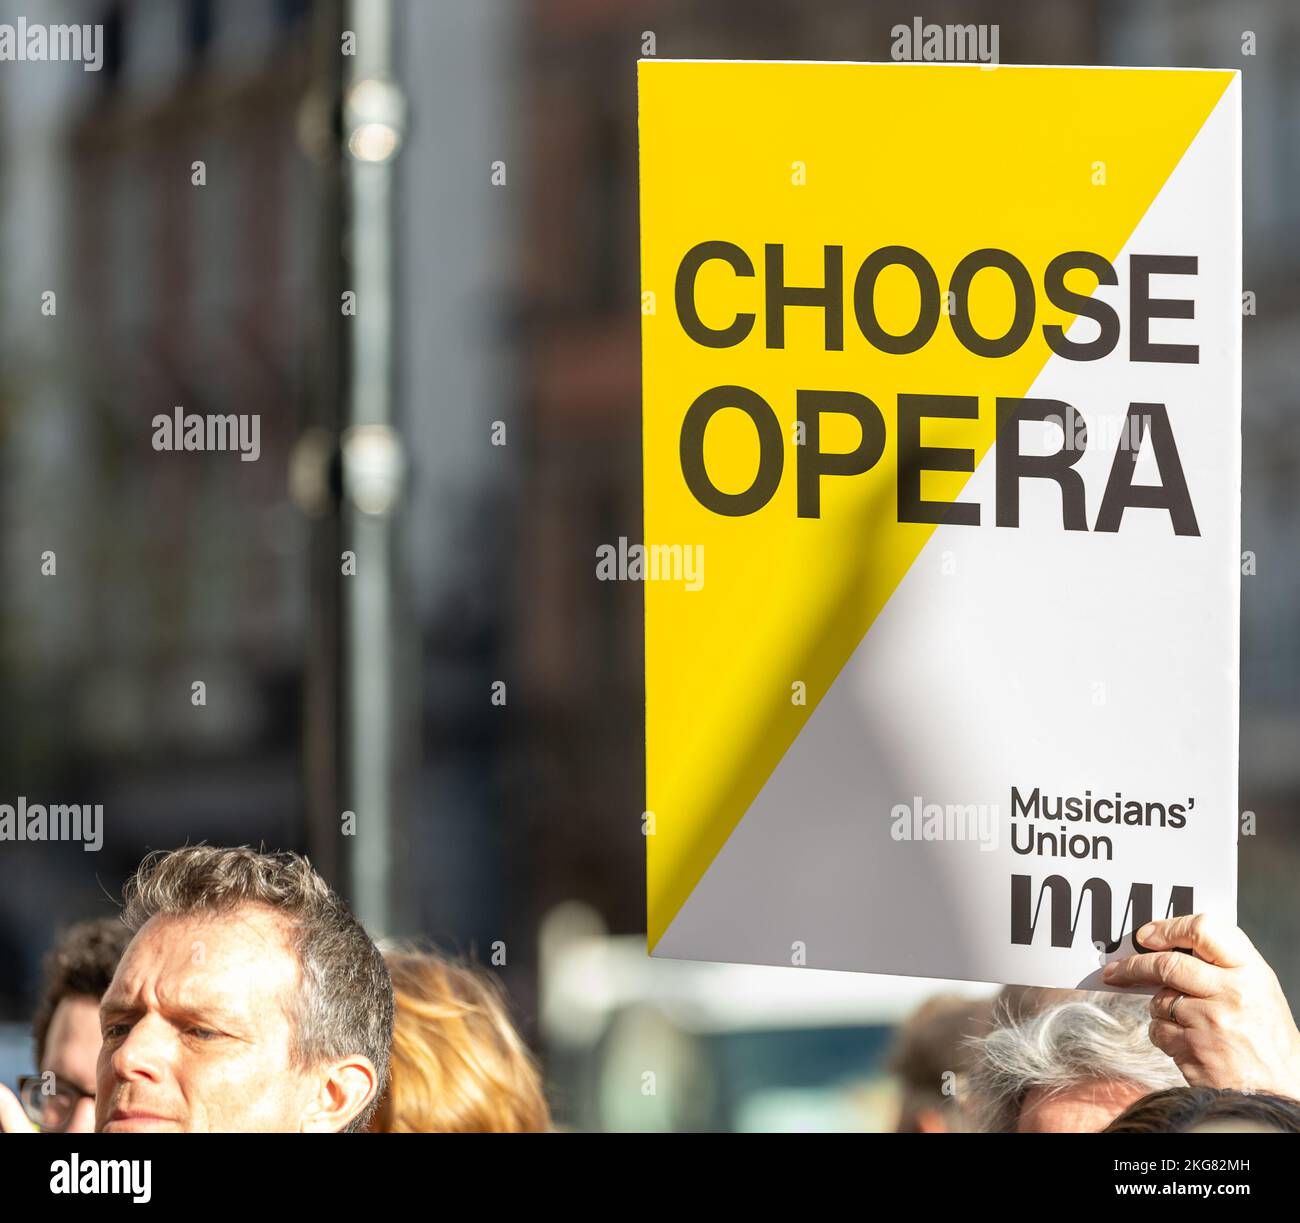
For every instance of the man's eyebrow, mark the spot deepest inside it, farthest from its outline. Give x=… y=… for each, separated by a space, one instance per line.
x=208 y=1011
x=119 y=1001
x=211 y=1012
x=113 y=1008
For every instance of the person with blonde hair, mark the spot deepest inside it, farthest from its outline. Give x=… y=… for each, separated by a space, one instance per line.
x=458 y=1065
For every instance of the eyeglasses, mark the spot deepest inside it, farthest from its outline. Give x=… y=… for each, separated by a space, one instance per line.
x=50 y=1099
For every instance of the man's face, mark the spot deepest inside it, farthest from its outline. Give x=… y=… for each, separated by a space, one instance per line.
x=196 y=1035
x=1086 y=1108
x=71 y=1050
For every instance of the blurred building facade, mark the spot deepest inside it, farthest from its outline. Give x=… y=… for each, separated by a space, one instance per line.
x=163 y=202
x=517 y=303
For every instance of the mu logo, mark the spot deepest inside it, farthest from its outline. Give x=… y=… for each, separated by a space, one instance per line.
x=1064 y=913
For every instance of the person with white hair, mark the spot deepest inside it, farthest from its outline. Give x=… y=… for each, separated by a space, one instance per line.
x=1070 y=1067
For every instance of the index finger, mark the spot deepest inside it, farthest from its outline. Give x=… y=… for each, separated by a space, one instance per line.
x=1209 y=938
x=1184 y=973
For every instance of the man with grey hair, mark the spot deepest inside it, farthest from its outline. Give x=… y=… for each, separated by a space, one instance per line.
x=1070 y=1067
x=250 y=999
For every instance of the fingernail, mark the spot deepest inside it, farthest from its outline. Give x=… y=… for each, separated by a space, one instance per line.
x=1146 y=932
x=1109 y=970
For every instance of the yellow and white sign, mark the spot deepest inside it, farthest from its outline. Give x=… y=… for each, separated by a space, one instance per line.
x=941 y=387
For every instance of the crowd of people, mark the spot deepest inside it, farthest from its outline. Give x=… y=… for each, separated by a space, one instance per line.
x=236 y=992
x=1214 y=1048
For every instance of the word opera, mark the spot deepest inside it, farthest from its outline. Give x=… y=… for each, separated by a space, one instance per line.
x=1145 y=424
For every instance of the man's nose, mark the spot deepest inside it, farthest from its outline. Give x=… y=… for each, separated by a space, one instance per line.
x=144 y=1051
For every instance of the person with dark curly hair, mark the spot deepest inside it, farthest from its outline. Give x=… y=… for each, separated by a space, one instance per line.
x=1208 y=1110
x=60 y=1098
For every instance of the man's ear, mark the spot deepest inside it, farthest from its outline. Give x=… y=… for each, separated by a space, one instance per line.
x=346 y=1087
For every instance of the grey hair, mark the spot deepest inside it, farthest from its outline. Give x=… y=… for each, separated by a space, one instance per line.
x=345 y=1001
x=1102 y=1037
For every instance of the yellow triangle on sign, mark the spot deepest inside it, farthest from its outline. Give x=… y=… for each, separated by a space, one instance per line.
x=945 y=159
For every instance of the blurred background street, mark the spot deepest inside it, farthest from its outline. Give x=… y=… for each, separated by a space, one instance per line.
x=485 y=214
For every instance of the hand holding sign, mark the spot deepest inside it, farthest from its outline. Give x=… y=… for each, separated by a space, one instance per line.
x=1231 y=1025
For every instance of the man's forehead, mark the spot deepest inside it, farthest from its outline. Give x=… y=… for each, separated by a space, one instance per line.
x=191 y=949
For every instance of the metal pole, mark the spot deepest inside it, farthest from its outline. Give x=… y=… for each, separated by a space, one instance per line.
x=372 y=463
x=313 y=471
